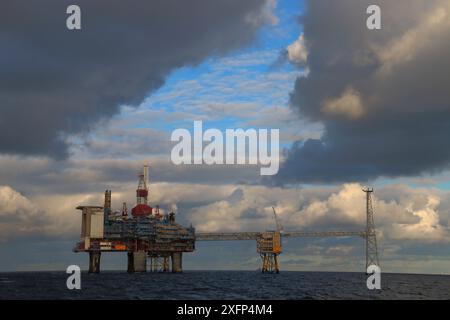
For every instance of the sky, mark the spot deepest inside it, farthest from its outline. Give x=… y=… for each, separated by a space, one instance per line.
x=82 y=111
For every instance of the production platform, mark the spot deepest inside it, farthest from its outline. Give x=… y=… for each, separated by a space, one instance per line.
x=156 y=242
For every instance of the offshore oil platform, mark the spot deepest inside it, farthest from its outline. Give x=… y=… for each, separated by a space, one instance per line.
x=156 y=242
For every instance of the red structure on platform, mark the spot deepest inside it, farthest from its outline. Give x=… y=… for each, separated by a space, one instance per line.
x=142 y=208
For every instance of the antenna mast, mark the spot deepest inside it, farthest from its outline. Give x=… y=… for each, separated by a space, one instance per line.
x=371 y=238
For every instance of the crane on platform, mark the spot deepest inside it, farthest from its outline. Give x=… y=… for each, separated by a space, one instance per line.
x=277 y=222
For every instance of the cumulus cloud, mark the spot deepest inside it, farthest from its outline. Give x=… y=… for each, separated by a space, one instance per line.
x=382 y=95
x=410 y=216
x=18 y=215
x=401 y=213
x=427 y=228
x=409 y=221
x=56 y=83
x=297 y=52
x=41 y=217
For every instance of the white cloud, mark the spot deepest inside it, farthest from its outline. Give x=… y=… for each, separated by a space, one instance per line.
x=403 y=216
x=18 y=215
x=297 y=52
x=428 y=228
x=401 y=213
x=407 y=216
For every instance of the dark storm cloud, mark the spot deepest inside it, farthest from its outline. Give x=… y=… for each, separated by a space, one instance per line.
x=55 y=82
x=37 y=176
x=382 y=95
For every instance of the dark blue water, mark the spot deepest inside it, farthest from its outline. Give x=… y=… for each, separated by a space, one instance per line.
x=222 y=285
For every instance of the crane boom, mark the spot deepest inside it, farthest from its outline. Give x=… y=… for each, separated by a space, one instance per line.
x=277 y=222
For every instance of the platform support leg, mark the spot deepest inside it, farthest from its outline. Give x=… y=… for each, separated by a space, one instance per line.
x=270 y=263
x=177 y=262
x=140 y=261
x=94 y=261
x=166 y=264
x=130 y=262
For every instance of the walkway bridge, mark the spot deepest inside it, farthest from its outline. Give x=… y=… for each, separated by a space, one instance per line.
x=269 y=243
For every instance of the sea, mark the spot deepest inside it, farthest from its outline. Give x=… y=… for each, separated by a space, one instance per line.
x=219 y=285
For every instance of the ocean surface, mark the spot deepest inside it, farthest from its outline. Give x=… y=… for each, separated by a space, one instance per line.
x=222 y=285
